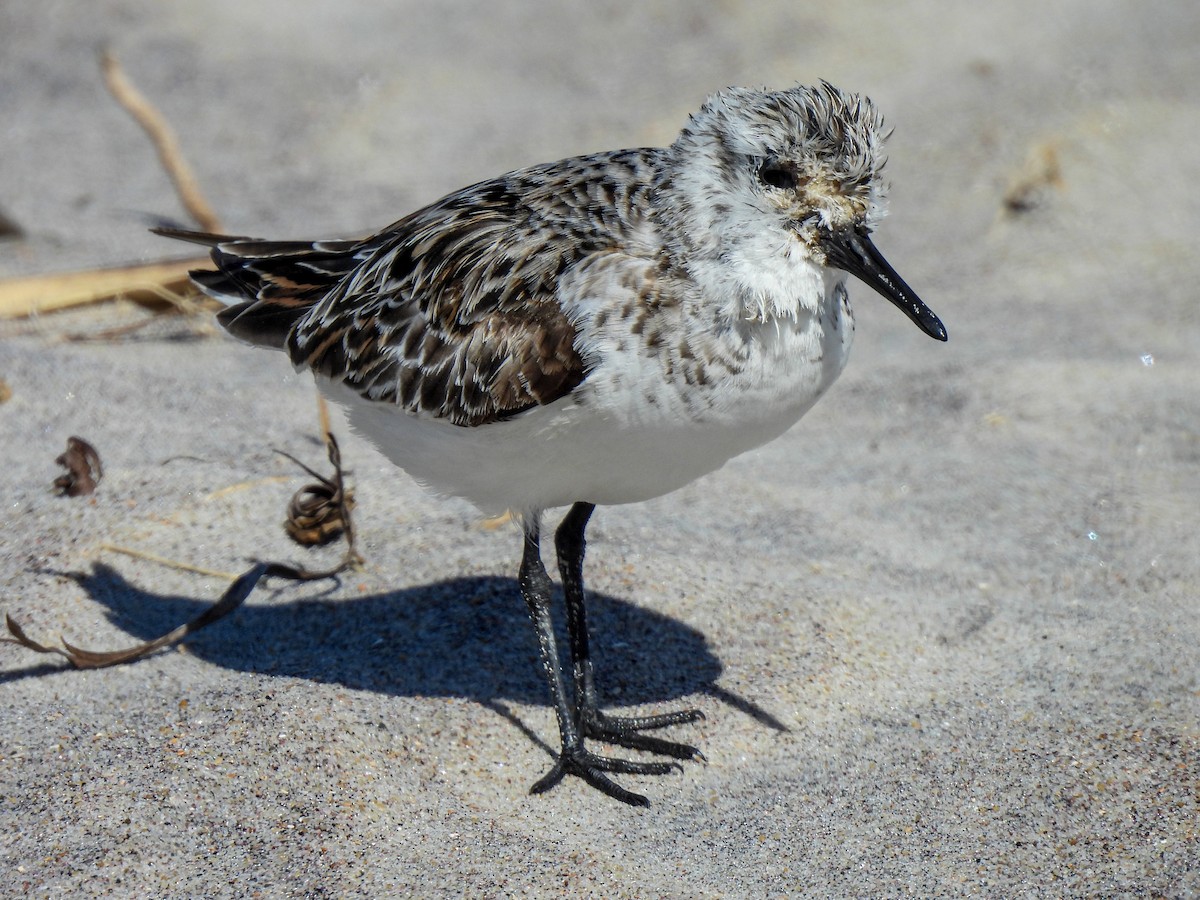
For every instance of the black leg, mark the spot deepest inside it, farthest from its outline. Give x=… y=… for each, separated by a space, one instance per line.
x=620 y=730
x=536 y=589
x=573 y=758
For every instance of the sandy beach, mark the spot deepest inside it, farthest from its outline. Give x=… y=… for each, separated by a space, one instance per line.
x=944 y=632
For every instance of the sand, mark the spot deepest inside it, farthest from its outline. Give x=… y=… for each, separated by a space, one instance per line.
x=943 y=632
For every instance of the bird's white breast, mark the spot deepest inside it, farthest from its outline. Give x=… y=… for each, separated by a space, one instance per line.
x=635 y=428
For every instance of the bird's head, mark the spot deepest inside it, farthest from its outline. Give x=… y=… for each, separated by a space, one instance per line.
x=807 y=162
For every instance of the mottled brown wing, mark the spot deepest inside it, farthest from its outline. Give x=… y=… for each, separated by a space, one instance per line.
x=454 y=312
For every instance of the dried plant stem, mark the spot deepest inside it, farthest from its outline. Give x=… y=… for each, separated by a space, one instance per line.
x=323 y=418
x=164 y=561
x=20 y=297
x=165 y=142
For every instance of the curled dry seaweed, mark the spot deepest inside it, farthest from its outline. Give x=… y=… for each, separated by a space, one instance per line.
x=319 y=513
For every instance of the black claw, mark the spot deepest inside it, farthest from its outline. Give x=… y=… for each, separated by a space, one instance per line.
x=550 y=779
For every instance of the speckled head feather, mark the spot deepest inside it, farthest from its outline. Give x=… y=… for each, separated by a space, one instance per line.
x=830 y=141
x=822 y=122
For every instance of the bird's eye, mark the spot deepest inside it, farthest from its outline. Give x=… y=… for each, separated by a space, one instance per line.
x=777 y=176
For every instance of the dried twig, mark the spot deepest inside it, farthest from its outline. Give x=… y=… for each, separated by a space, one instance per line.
x=233 y=597
x=163 y=280
x=245 y=486
x=323 y=419
x=187 y=302
x=491 y=523
x=164 y=140
x=84 y=470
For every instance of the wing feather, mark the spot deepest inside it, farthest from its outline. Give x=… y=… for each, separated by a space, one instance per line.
x=453 y=311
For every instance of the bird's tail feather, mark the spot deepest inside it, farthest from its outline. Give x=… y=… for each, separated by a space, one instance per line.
x=267 y=286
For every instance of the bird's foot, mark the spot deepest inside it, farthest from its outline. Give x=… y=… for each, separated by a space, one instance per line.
x=624 y=731
x=592 y=767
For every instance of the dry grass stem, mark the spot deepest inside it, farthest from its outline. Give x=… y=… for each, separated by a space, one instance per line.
x=22 y=297
x=169 y=563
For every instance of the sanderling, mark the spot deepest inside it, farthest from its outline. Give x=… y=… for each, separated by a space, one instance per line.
x=603 y=329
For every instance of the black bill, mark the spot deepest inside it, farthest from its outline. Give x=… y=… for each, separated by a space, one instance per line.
x=851 y=250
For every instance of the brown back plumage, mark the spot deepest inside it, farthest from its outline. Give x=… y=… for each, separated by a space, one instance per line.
x=450 y=312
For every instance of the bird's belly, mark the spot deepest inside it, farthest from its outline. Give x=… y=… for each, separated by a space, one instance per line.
x=616 y=439
x=551 y=456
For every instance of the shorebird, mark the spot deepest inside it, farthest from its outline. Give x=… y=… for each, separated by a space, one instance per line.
x=599 y=330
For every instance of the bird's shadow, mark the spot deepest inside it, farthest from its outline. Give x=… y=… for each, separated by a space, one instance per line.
x=464 y=637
